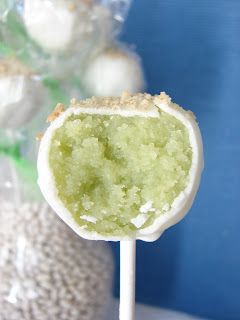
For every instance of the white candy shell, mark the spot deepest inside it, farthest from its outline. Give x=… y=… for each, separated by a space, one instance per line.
x=57 y=25
x=50 y=24
x=181 y=204
x=112 y=72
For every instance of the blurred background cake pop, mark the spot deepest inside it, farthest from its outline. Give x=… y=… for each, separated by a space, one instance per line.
x=61 y=26
x=113 y=71
x=57 y=25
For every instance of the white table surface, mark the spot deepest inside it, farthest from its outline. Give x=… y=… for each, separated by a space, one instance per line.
x=150 y=313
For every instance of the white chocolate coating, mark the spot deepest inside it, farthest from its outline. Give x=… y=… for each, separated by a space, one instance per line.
x=112 y=72
x=181 y=204
x=49 y=24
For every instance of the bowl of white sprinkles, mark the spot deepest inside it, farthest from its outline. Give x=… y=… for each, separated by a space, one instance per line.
x=47 y=272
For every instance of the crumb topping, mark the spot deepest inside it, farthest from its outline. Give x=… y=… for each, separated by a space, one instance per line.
x=191 y=114
x=116 y=53
x=74 y=6
x=39 y=136
x=12 y=67
x=56 y=112
x=141 y=102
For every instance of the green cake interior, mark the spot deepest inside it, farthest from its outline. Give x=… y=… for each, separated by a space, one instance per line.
x=117 y=174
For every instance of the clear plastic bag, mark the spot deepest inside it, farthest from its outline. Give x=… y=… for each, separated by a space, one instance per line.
x=58 y=36
x=46 y=271
x=119 y=10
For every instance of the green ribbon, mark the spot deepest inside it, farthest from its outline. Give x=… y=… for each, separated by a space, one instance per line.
x=55 y=91
x=24 y=167
x=13 y=26
x=5 y=50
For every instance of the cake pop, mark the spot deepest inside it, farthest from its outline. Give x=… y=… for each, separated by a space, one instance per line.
x=112 y=72
x=121 y=169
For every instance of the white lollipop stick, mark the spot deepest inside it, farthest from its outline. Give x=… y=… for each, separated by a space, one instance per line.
x=127 y=279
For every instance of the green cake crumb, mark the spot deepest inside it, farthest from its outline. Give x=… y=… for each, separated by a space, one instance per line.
x=117 y=174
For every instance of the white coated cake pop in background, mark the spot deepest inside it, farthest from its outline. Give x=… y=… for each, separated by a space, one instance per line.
x=112 y=72
x=48 y=272
x=61 y=25
x=21 y=94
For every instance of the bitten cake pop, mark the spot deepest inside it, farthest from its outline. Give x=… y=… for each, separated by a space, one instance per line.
x=112 y=72
x=121 y=169
x=21 y=94
x=118 y=168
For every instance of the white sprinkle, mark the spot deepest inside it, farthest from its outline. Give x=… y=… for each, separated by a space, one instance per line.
x=89 y=218
x=147 y=207
x=8 y=184
x=12 y=297
x=83 y=227
x=166 y=207
x=20 y=255
x=139 y=220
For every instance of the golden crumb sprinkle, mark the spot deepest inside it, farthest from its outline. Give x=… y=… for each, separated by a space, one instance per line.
x=163 y=97
x=140 y=102
x=73 y=101
x=125 y=95
x=39 y=136
x=12 y=67
x=126 y=101
x=191 y=114
x=116 y=53
x=88 y=2
x=72 y=7
x=56 y=112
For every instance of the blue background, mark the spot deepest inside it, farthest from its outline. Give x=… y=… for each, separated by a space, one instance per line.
x=191 y=50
